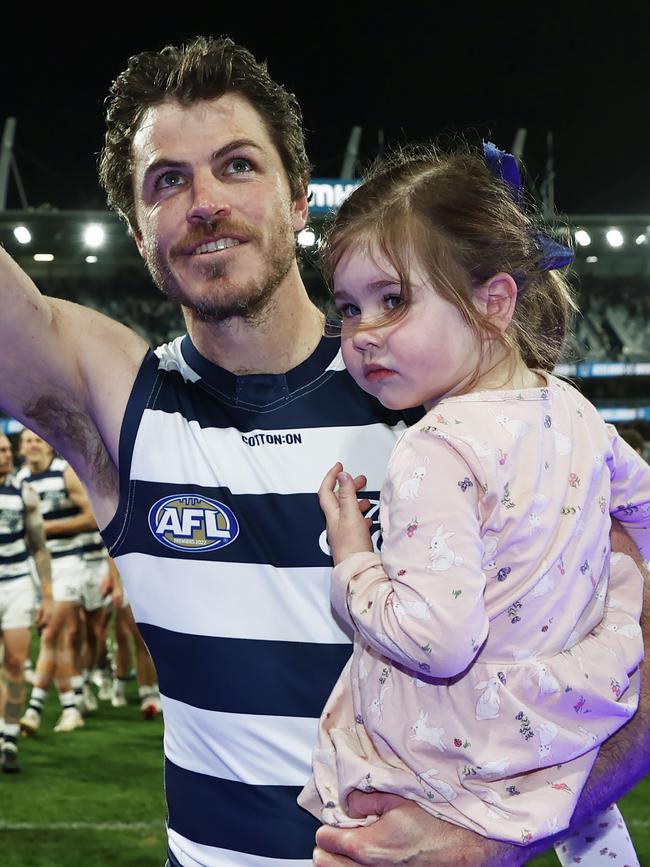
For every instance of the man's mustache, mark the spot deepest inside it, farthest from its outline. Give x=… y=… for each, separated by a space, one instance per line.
x=207 y=231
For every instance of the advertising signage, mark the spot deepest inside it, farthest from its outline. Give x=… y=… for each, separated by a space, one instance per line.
x=327 y=194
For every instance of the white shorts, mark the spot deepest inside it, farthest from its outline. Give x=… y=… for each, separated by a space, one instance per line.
x=92 y=598
x=17 y=603
x=69 y=577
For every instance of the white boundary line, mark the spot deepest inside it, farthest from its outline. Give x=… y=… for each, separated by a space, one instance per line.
x=152 y=826
x=82 y=826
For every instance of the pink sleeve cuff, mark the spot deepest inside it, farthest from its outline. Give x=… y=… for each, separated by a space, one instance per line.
x=344 y=573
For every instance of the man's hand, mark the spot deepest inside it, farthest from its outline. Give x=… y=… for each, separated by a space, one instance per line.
x=348 y=532
x=405 y=834
x=112 y=586
x=44 y=613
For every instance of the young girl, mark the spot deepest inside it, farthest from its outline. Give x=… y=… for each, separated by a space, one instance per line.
x=495 y=648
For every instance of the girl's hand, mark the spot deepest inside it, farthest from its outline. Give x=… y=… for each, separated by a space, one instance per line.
x=348 y=532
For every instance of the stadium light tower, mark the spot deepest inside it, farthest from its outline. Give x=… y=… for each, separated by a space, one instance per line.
x=6 y=153
x=351 y=153
x=8 y=163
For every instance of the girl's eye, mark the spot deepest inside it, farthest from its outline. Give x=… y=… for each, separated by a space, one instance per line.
x=238 y=166
x=169 y=179
x=347 y=311
x=393 y=301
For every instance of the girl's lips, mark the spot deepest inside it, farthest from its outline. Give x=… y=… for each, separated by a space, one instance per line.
x=377 y=374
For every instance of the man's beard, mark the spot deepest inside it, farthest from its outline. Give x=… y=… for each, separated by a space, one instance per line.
x=227 y=300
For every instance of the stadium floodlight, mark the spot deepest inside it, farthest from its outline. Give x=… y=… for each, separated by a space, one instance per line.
x=91 y=259
x=583 y=239
x=614 y=237
x=641 y=239
x=43 y=257
x=591 y=259
x=22 y=234
x=94 y=235
x=307 y=238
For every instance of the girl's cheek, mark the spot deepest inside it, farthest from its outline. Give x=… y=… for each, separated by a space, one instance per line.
x=349 y=354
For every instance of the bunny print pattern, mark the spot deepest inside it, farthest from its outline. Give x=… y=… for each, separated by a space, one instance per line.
x=513 y=647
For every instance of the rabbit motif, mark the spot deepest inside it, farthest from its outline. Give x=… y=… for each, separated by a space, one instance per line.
x=490 y=545
x=552 y=825
x=547 y=682
x=440 y=786
x=630 y=630
x=545 y=584
x=590 y=739
x=535 y=518
x=376 y=706
x=515 y=427
x=489 y=702
x=420 y=731
x=562 y=443
x=418 y=609
x=494 y=769
x=547 y=732
x=410 y=489
x=441 y=555
x=481 y=449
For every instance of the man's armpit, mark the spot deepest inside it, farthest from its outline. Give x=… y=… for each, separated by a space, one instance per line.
x=73 y=433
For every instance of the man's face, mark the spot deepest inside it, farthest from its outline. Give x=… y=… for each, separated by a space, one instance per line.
x=34 y=449
x=215 y=218
x=6 y=456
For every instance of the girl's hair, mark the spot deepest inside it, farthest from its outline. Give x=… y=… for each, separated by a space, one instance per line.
x=448 y=213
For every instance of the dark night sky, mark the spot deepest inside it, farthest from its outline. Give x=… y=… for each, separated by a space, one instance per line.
x=579 y=69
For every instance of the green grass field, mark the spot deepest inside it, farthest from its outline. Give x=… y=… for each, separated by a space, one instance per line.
x=91 y=797
x=94 y=797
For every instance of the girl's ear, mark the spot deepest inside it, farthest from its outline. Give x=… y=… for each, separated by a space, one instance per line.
x=496 y=299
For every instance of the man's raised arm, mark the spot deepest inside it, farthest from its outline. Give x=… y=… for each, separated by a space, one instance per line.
x=66 y=371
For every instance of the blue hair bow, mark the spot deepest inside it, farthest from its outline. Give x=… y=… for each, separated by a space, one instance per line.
x=503 y=166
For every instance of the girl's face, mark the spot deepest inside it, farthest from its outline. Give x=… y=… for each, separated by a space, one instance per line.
x=426 y=355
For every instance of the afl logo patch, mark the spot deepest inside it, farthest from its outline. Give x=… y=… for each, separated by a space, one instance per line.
x=189 y=523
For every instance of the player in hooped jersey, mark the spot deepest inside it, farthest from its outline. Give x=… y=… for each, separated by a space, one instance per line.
x=212 y=526
x=66 y=513
x=21 y=538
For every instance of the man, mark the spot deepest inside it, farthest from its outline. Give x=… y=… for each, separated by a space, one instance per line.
x=66 y=513
x=93 y=614
x=21 y=533
x=208 y=496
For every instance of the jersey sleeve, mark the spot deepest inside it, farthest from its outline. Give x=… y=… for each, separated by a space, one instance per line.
x=421 y=604
x=630 y=505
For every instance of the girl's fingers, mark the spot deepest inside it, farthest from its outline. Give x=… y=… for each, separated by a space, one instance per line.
x=326 y=495
x=360 y=482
